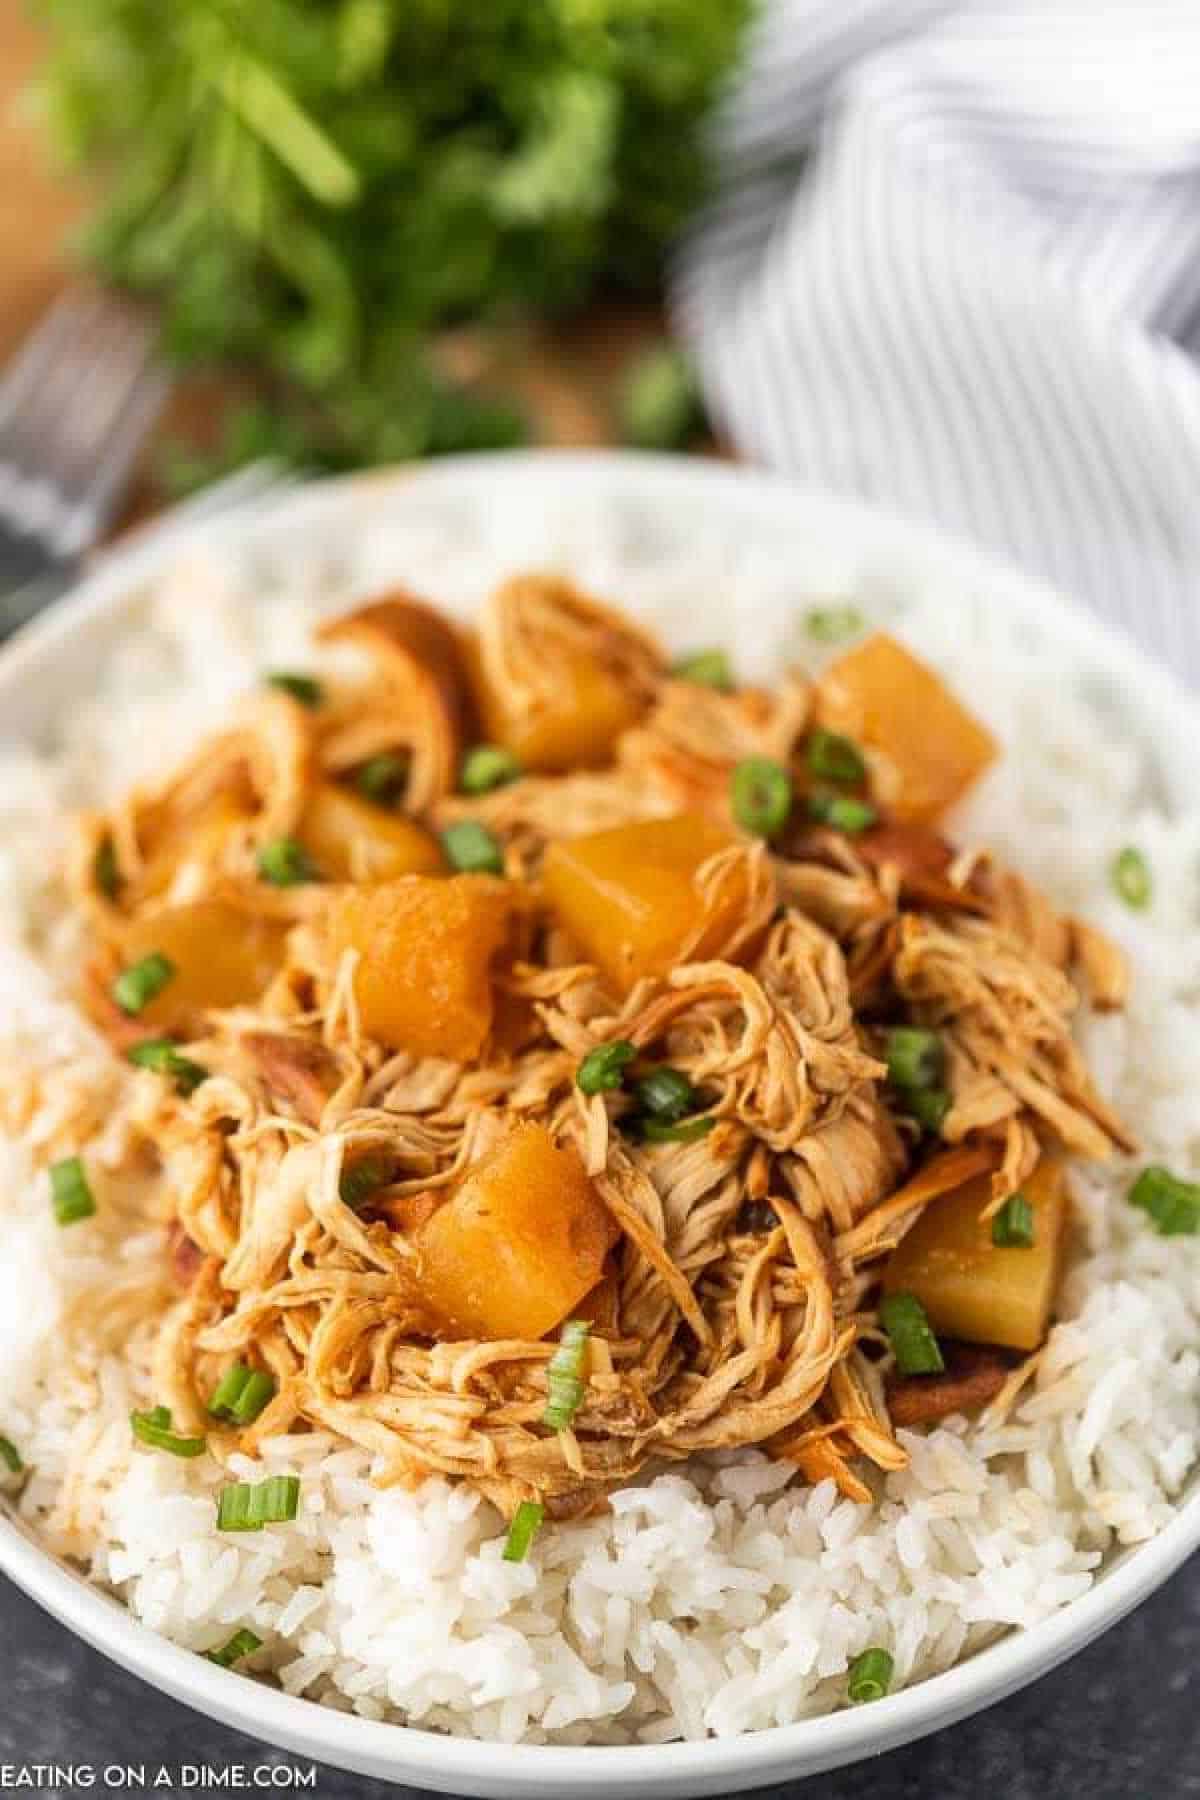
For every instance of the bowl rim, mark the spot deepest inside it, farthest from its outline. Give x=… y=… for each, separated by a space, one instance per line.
x=454 y=1764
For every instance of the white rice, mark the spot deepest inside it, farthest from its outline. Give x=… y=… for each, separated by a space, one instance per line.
x=716 y=1599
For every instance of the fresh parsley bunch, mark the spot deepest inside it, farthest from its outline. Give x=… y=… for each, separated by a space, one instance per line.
x=312 y=187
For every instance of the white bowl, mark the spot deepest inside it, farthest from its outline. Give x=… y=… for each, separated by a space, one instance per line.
x=54 y=660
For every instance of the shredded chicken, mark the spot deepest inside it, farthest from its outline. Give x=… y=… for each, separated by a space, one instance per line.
x=735 y=1304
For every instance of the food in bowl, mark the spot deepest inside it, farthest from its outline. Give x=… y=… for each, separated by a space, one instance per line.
x=576 y=1162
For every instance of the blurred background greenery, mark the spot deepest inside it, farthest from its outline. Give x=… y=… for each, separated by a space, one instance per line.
x=362 y=209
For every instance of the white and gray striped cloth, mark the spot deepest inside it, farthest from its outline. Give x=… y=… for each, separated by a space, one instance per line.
x=954 y=266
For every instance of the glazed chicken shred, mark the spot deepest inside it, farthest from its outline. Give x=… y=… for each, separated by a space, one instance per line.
x=585 y=1119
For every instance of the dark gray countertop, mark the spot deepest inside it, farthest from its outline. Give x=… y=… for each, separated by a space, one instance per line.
x=1120 y=1722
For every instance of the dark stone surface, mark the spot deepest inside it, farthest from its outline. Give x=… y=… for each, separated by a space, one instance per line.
x=1120 y=1722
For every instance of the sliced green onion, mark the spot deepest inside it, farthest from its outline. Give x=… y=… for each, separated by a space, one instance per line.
x=834 y=758
x=136 y=986
x=304 y=688
x=153 y=1428
x=870 y=1676
x=1012 y=1226
x=1173 y=1205
x=915 y=1058
x=913 y=1343
x=248 y=1506
x=286 y=863
x=526 y=1523
x=666 y=1094
x=487 y=766
x=242 y=1643
x=360 y=1179
x=105 y=870
x=1130 y=874
x=680 y=1131
x=832 y=624
x=564 y=1376
x=241 y=1394
x=10 y=1456
x=382 y=777
x=842 y=812
x=470 y=846
x=161 y=1055
x=603 y=1069
x=707 y=668
x=928 y=1106
x=761 y=794
x=70 y=1192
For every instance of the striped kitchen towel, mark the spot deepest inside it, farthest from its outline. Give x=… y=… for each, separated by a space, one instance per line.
x=954 y=265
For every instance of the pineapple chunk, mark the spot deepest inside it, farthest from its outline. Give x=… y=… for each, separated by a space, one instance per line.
x=578 y=729
x=628 y=896
x=222 y=957
x=423 y=977
x=518 y=1245
x=351 y=839
x=971 y=1289
x=924 y=748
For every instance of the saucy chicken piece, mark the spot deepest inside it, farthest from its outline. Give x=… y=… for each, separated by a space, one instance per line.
x=424 y=949
x=973 y=1289
x=351 y=839
x=220 y=956
x=630 y=899
x=519 y=1244
x=924 y=748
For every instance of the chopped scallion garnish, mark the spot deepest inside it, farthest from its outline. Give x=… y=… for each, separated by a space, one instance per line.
x=834 y=758
x=603 y=1069
x=360 y=1179
x=915 y=1058
x=564 y=1376
x=1012 y=1226
x=1131 y=878
x=761 y=795
x=870 y=1676
x=832 y=624
x=160 y=1055
x=248 y=1506
x=106 y=871
x=243 y=1643
x=707 y=668
x=136 y=986
x=241 y=1394
x=382 y=777
x=526 y=1522
x=471 y=848
x=678 y=1131
x=304 y=688
x=1173 y=1205
x=10 y=1456
x=666 y=1094
x=928 y=1106
x=913 y=1343
x=842 y=812
x=487 y=766
x=286 y=863
x=70 y=1191
x=153 y=1429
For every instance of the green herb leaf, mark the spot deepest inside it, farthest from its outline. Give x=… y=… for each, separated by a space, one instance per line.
x=869 y=1676
x=248 y=1506
x=564 y=1376
x=526 y=1523
x=603 y=1069
x=383 y=777
x=915 y=1348
x=833 y=624
x=136 y=986
x=842 y=812
x=834 y=758
x=487 y=766
x=1130 y=875
x=761 y=795
x=1012 y=1226
x=286 y=863
x=707 y=668
x=244 y=1642
x=161 y=1055
x=10 y=1456
x=304 y=688
x=70 y=1192
x=1172 y=1205
x=153 y=1429
x=471 y=848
